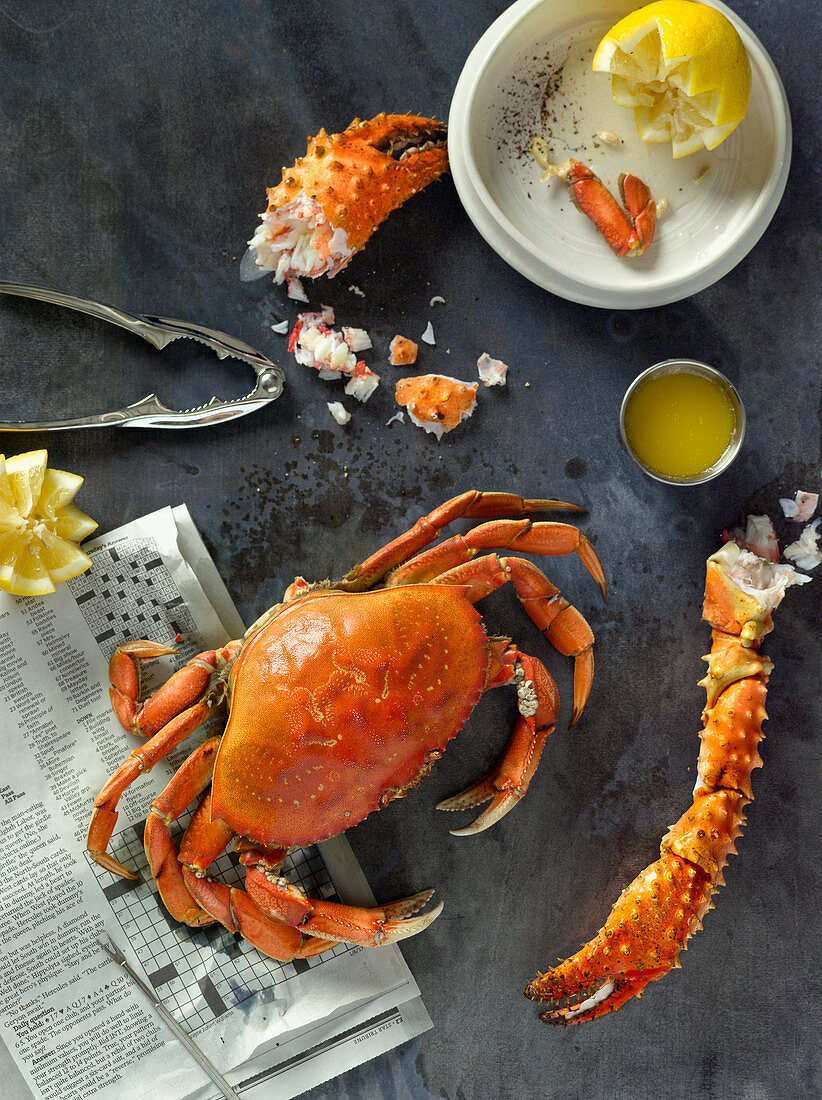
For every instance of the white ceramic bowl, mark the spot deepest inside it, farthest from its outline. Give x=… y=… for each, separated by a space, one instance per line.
x=530 y=73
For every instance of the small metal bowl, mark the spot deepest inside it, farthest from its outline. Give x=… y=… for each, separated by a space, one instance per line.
x=690 y=366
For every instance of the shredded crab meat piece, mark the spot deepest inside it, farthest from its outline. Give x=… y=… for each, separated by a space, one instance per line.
x=492 y=372
x=428 y=336
x=758 y=536
x=339 y=411
x=801 y=508
x=298 y=240
x=765 y=581
x=315 y=344
x=805 y=551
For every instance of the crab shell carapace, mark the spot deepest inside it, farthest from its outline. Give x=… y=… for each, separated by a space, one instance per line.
x=294 y=743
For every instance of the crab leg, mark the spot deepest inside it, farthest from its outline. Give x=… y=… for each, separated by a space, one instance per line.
x=661 y=909
x=508 y=781
x=563 y=626
x=545 y=538
x=629 y=232
x=170 y=715
x=104 y=816
x=187 y=783
x=276 y=916
x=472 y=504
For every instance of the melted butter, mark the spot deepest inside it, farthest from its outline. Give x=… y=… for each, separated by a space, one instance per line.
x=680 y=424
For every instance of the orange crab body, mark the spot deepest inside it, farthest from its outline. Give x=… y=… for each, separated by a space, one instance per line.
x=340 y=699
x=341 y=703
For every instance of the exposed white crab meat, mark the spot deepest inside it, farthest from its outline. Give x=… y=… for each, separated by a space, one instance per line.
x=339 y=411
x=805 y=551
x=758 y=536
x=492 y=372
x=315 y=344
x=357 y=338
x=362 y=383
x=801 y=508
x=428 y=336
x=764 y=580
x=296 y=240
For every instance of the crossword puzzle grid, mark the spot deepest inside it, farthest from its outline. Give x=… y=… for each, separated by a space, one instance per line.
x=130 y=593
x=200 y=973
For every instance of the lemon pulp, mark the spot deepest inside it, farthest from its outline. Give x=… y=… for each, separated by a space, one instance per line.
x=680 y=424
x=683 y=68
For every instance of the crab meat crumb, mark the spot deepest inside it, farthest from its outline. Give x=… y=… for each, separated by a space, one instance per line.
x=402 y=352
x=492 y=372
x=339 y=411
x=354 y=289
x=436 y=403
x=398 y=417
x=295 y=290
x=357 y=338
x=801 y=508
x=438 y=298
x=609 y=137
x=363 y=382
x=428 y=336
x=281 y=328
x=805 y=551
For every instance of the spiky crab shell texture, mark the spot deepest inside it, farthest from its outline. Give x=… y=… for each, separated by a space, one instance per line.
x=342 y=702
x=354 y=177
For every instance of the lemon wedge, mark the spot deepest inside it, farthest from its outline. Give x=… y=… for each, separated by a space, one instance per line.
x=39 y=526
x=683 y=68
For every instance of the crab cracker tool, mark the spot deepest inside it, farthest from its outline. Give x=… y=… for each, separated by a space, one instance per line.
x=150 y=412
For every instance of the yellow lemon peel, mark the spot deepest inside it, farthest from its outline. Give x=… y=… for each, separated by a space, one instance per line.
x=683 y=68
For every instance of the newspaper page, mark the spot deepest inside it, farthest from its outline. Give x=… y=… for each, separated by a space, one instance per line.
x=74 y=1023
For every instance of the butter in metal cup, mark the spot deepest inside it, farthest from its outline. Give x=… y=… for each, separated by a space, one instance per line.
x=696 y=370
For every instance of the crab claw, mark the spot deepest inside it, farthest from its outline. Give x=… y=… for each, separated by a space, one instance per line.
x=640 y=942
x=628 y=234
x=331 y=200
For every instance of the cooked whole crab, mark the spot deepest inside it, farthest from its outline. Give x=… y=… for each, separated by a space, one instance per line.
x=340 y=699
x=331 y=200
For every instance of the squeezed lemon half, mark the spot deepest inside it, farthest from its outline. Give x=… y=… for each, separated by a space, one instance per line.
x=683 y=68
x=39 y=526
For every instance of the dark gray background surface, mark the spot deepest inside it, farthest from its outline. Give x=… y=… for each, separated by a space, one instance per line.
x=136 y=141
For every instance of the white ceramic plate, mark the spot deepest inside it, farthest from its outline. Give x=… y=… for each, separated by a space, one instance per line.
x=530 y=73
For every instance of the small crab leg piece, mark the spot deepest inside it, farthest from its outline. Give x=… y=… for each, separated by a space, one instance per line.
x=472 y=504
x=508 y=781
x=628 y=234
